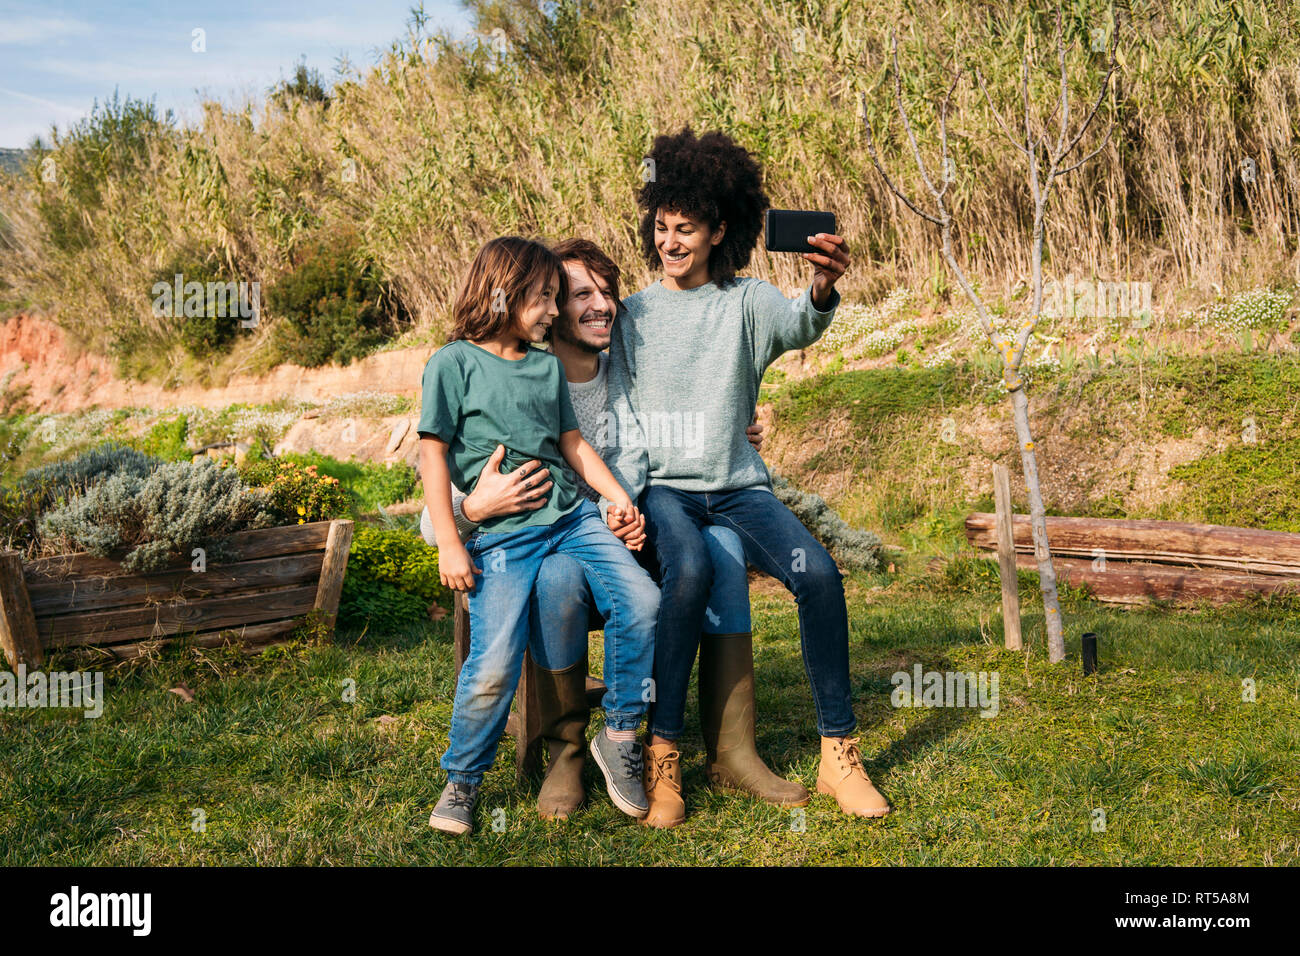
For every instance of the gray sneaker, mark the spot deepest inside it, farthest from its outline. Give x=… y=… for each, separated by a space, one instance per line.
x=455 y=810
x=620 y=762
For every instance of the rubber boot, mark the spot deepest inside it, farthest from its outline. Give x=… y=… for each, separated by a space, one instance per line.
x=727 y=720
x=562 y=700
x=663 y=786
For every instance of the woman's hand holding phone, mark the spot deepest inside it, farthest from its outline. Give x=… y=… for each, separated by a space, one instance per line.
x=830 y=264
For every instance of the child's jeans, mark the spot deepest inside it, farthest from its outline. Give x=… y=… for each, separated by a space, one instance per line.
x=499 y=612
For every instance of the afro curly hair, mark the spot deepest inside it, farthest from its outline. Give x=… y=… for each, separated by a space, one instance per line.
x=713 y=179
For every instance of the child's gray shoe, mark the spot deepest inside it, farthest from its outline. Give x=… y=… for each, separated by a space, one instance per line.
x=455 y=810
x=620 y=762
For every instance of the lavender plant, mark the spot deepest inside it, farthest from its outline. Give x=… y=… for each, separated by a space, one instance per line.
x=853 y=548
x=160 y=517
x=76 y=475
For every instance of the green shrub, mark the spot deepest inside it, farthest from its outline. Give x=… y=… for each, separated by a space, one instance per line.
x=368 y=484
x=332 y=307
x=20 y=512
x=382 y=606
x=306 y=86
x=852 y=548
x=159 y=518
x=107 y=150
x=296 y=495
x=167 y=440
x=208 y=333
x=381 y=485
x=392 y=579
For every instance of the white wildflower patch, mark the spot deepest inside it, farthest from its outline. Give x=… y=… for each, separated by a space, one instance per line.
x=855 y=325
x=65 y=431
x=1257 y=309
x=883 y=341
x=966 y=321
x=367 y=404
x=943 y=355
x=262 y=422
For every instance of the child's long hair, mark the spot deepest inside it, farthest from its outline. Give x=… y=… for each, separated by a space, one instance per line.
x=494 y=290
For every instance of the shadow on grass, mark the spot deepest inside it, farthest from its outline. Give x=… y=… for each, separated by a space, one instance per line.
x=939 y=723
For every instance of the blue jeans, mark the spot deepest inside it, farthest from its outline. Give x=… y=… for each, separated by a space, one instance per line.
x=778 y=544
x=499 y=624
x=562 y=610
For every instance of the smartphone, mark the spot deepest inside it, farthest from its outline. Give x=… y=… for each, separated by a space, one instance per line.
x=788 y=229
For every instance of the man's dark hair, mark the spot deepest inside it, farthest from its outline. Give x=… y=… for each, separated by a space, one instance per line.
x=713 y=179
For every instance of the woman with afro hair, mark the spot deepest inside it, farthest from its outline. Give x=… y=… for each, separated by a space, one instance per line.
x=686 y=359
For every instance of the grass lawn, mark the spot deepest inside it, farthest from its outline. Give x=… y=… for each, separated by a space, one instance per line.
x=285 y=771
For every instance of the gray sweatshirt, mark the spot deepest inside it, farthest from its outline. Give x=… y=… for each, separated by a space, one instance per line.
x=684 y=371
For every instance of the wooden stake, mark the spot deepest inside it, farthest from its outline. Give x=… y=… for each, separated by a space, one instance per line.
x=333 y=568
x=1007 y=559
x=17 y=622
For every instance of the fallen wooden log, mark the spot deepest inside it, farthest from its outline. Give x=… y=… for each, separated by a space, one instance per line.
x=1130 y=582
x=1161 y=542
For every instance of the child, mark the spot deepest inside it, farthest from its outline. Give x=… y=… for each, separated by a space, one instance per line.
x=693 y=348
x=488 y=386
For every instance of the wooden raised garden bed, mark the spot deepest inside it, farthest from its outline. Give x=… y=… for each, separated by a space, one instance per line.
x=79 y=600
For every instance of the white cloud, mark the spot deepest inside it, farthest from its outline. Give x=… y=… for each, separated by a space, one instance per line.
x=185 y=69
x=48 y=104
x=31 y=31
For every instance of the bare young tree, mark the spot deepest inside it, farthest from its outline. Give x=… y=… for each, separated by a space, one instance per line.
x=1048 y=158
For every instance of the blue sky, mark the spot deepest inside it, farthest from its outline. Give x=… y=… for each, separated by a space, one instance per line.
x=57 y=58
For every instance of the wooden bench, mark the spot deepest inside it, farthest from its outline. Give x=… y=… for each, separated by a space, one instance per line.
x=525 y=722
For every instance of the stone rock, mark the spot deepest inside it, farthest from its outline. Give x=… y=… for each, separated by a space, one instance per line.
x=344 y=439
x=396 y=435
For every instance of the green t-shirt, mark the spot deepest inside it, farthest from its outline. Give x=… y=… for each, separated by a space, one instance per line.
x=475 y=400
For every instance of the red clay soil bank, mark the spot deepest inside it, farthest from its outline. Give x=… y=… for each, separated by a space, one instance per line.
x=36 y=351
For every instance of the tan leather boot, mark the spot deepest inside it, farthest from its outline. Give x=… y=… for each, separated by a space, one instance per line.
x=663 y=786
x=727 y=720
x=841 y=775
x=562 y=700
